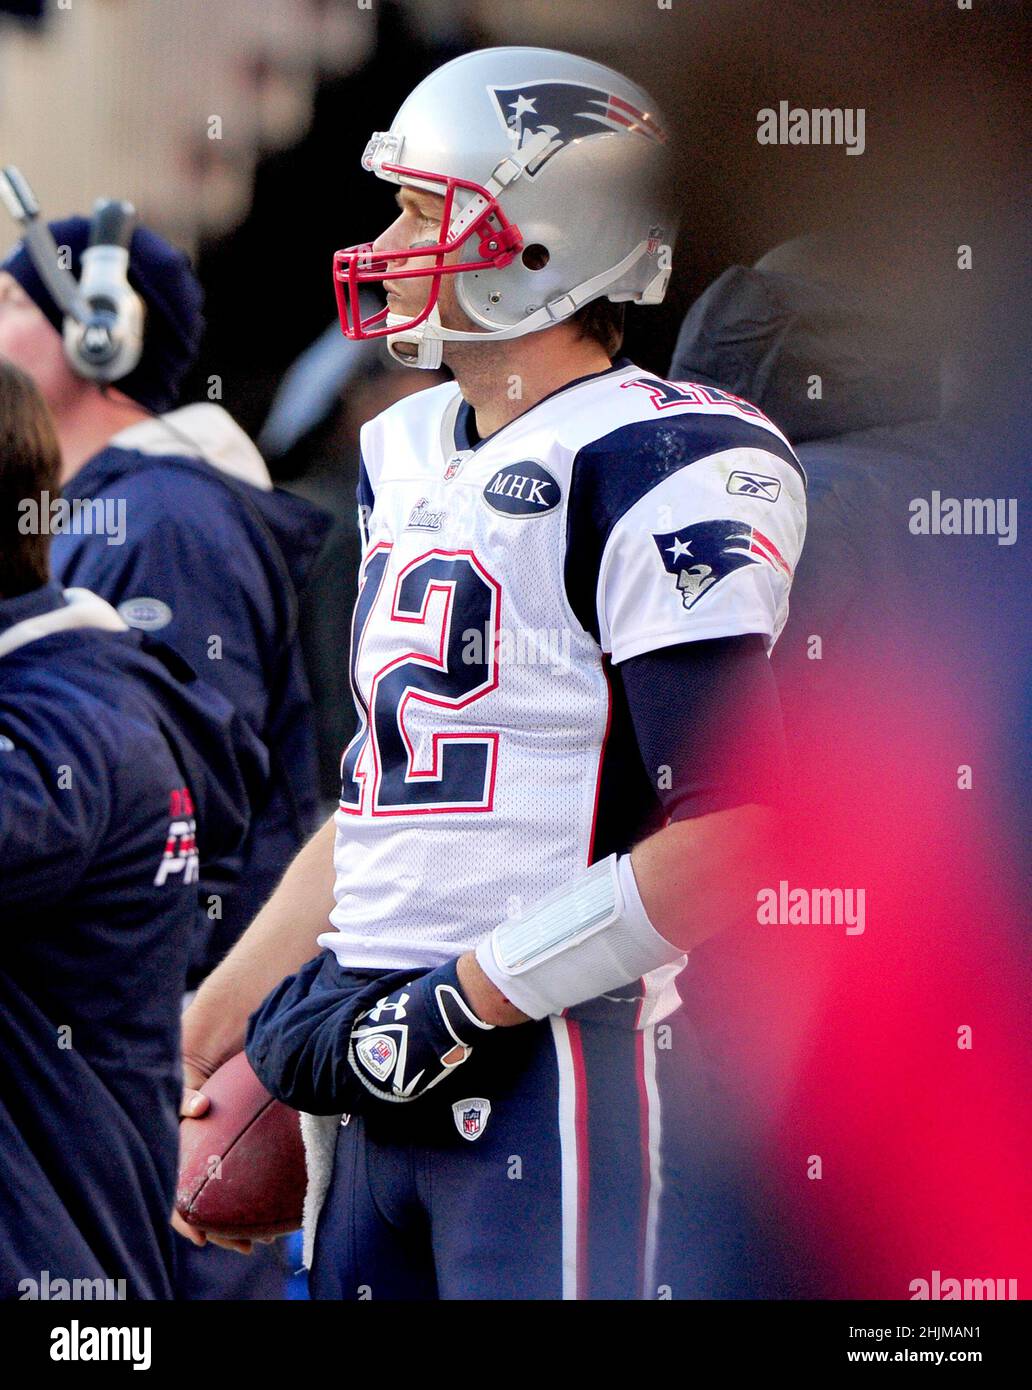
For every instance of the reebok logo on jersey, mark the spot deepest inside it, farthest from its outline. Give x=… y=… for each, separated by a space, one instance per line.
x=522 y=489
x=754 y=485
x=700 y=556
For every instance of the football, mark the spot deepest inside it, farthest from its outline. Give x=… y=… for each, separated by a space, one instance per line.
x=242 y=1163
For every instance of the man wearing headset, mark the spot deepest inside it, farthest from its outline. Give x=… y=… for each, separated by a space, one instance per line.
x=204 y=553
x=568 y=734
x=207 y=553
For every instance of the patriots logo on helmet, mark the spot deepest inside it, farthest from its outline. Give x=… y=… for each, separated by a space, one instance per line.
x=567 y=111
x=703 y=554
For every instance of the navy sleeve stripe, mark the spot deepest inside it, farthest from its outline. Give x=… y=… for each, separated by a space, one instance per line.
x=366 y=499
x=611 y=474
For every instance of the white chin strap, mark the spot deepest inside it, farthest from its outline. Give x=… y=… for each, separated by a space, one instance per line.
x=417 y=348
x=423 y=346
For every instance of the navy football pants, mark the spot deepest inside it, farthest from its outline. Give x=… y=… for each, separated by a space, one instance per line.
x=599 y=1167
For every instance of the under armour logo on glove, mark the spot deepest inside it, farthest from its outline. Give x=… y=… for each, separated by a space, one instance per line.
x=415 y=1037
x=393 y=1005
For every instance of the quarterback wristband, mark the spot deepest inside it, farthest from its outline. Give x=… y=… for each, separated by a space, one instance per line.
x=591 y=935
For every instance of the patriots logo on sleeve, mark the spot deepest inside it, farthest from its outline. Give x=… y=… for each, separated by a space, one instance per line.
x=567 y=111
x=701 y=555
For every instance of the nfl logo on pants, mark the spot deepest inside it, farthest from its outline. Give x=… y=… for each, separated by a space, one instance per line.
x=471 y=1116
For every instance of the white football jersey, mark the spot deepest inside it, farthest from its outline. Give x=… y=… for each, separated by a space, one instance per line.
x=500 y=578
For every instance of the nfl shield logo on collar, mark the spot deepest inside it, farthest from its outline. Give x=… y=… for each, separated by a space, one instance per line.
x=471 y=1116
x=455 y=463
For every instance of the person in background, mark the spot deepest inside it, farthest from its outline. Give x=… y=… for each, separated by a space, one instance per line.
x=846 y=345
x=199 y=548
x=904 y=657
x=120 y=775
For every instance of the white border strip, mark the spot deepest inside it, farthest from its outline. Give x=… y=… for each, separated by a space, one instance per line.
x=569 y=1157
x=655 y=1134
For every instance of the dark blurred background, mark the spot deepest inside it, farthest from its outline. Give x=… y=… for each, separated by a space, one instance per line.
x=298 y=85
x=945 y=160
x=943 y=163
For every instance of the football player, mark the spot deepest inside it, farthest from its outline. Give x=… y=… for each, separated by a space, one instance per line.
x=569 y=738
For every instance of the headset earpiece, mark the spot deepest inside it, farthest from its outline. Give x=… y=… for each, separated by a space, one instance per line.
x=103 y=314
x=107 y=345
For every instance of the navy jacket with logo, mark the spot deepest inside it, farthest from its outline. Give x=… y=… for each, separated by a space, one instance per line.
x=116 y=767
x=225 y=555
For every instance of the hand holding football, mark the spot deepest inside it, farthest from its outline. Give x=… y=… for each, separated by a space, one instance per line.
x=242 y=1163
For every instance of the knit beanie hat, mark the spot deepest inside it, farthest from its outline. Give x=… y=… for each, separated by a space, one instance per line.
x=163 y=278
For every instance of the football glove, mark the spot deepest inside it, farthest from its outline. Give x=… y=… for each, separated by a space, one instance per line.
x=398 y=1048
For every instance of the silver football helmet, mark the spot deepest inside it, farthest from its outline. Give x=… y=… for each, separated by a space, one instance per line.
x=555 y=178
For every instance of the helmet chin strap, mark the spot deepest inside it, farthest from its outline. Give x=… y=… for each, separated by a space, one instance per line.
x=415 y=348
x=423 y=346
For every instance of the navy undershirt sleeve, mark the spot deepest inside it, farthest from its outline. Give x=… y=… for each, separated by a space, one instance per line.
x=708 y=722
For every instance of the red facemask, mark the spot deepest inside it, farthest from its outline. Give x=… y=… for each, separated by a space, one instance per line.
x=498 y=242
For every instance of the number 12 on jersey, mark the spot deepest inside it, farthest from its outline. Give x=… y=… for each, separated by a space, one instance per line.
x=457 y=772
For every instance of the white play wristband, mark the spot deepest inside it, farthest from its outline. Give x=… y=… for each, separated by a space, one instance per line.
x=589 y=936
